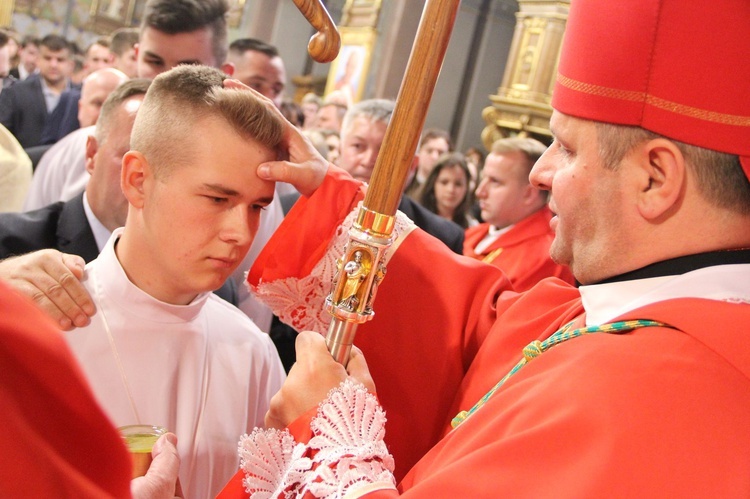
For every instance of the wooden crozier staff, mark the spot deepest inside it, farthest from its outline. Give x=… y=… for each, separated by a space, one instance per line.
x=362 y=266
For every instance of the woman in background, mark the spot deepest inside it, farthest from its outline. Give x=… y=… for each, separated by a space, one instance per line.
x=446 y=190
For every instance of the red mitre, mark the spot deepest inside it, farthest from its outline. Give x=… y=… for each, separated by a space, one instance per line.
x=675 y=67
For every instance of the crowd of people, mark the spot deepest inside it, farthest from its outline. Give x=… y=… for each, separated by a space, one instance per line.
x=171 y=220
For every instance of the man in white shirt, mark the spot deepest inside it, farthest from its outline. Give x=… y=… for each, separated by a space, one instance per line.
x=162 y=349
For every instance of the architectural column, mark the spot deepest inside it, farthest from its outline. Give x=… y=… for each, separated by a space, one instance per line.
x=6 y=12
x=522 y=103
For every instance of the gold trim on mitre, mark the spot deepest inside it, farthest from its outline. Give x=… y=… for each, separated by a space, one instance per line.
x=674 y=107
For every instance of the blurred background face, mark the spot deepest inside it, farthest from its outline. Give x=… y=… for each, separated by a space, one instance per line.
x=333 y=143
x=327 y=118
x=262 y=73
x=28 y=57
x=54 y=66
x=159 y=52
x=97 y=57
x=450 y=189
x=360 y=145
x=429 y=154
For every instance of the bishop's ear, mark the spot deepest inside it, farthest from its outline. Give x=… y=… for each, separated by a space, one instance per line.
x=662 y=178
x=133 y=178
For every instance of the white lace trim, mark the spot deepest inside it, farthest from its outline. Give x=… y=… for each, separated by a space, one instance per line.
x=348 y=452
x=299 y=302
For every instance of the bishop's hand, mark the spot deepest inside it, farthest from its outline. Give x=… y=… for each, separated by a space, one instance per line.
x=314 y=374
x=301 y=164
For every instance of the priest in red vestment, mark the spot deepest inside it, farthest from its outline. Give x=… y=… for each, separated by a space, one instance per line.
x=516 y=234
x=636 y=384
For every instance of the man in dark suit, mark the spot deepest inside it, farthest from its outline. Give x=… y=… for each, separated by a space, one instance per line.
x=25 y=106
x=79 y=108
x=28 y=55
x=82 y=225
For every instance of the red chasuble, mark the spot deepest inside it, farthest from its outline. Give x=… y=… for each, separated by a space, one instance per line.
x=657 y=412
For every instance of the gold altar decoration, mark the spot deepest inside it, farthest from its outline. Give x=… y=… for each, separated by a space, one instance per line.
x=522 y=103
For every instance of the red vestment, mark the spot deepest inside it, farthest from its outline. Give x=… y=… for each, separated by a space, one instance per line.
x=55 y=440
x=657 y=412
x=522 y=252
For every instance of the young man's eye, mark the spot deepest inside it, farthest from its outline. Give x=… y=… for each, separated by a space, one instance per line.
x=217 y=200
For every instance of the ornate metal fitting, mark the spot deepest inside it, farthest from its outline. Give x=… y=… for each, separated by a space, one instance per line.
x=358 y=274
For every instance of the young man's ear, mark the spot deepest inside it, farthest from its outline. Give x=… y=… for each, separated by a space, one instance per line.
x=228 y=68
x=135 y=171
x=661 y=178
x=91 y=147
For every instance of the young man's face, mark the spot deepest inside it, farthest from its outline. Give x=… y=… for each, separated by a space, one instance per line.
x=502 y=192
x=97 y=57
x=28 y=57
x=159 y=52
x=201 y=217
x=429 y=154
x=54 y=65
x=327 y=118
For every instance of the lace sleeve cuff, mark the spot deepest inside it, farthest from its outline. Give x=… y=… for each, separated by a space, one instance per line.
x=345 y=458
x=299 y=301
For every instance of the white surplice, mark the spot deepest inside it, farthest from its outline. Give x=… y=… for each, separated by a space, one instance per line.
x=203 y=371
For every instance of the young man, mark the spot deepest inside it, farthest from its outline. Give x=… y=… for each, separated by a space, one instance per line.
x=124 y=41
x=97 y=56
x=515 y=235
x=259 y=66
x=28 y=55
x=162 y=349
x=25 y=106
x=177 y=32
x=173 y=32
x=649 y=179
x=433 y=144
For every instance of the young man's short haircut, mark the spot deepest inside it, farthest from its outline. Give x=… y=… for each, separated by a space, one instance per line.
x=55 y=43
x=102 y=42
x=184 y=16
x=436 y=133
x=123 y=40
x=242 y=45
x=29 y=40
x=179 y=98
x=531 y=148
